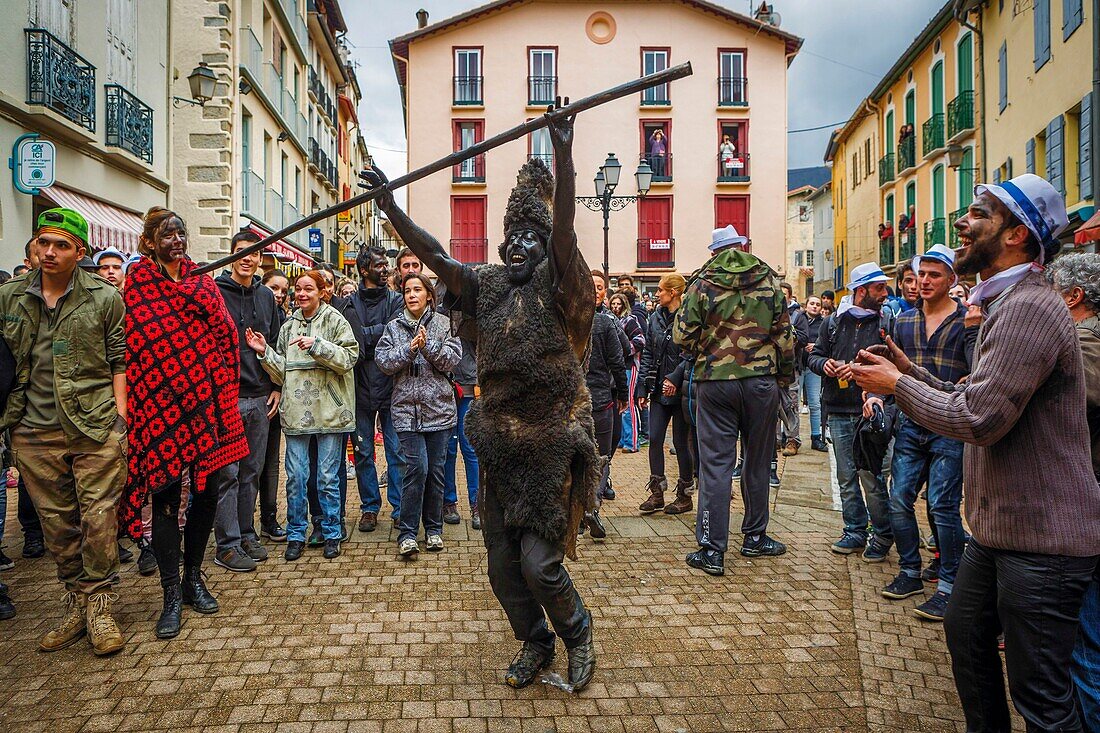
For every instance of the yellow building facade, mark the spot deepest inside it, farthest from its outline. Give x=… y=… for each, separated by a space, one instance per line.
x=851 y=154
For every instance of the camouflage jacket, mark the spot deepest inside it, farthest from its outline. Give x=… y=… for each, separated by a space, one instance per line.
x=734 y=321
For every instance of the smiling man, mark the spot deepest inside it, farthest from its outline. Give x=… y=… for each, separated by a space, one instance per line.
x=1032 y=501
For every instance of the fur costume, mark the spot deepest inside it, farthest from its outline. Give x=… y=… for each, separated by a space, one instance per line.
x=528 y=206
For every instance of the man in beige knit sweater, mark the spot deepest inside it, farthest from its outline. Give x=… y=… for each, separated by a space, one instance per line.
x=1032 y=501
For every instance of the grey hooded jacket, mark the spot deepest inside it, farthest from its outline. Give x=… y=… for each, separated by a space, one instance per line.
x=423 y=399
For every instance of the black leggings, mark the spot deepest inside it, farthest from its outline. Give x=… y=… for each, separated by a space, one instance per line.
x=659 y=417
x=196 y=535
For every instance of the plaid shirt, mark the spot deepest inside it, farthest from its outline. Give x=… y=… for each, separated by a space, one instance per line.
x=947 y=354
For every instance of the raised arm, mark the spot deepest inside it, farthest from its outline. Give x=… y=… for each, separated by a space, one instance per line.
x=563 y=240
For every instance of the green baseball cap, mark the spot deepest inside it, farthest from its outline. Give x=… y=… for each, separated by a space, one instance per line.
x=67 y=221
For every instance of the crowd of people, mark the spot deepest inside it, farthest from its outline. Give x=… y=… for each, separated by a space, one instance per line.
x=145 y=401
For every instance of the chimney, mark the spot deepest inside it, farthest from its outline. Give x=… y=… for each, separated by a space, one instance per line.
x=421 y=18
x=762 y=12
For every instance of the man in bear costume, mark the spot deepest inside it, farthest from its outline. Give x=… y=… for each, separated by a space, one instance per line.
x=531 y=319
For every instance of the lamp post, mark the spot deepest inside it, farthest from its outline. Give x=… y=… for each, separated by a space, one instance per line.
x=607 y=178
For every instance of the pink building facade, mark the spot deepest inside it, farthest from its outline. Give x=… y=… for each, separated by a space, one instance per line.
x=716 y=141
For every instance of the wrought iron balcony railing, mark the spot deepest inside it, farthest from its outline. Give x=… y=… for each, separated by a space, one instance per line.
x=886 y=251
x=661 y=166
x=907 y=153
x=659 y=253
x=733 y=91
x=129 y=123
x=60 y=79
x=547 y=158
x=733 y=167
x=932 y=134
x=908 y=246
x=541 y=89
x=886 y=169
x=935 y=232
x=954 y=233
x=467 y=90
x=960 y=114
x=470 y=251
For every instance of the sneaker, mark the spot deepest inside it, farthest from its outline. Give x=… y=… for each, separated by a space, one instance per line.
x=582 y=660
x=737 y=469
x=876 y=551
x=608 y=494
x=934 y=608
x=125 y=555
x=930 y=543
x=254 y=550
x=294 y=550
x=791 y=448
x=147 y=561
x=711 y=562
x=764 y=546
x=33 y=548
x=349 y=470
x=530 y=660
x=368 y=522
x=931 y=574
x=6 y=563
x=332 y=549
x=234 y=559
x=450 y=514
x=773 y=476
x=408 y=549
x=804 y=410
x=848 y=544
x=903 y=586
x=475 y=519
x=7 y=608
x=595 y=526
x=316 y=537
x=434 y=543
x=273 y=531
x=817 y=443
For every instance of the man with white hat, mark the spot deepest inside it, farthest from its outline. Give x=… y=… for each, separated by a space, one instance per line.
x=859 y=323
x=111 y=265
x=733 y=320
x=934 y=336
x=1032 y=501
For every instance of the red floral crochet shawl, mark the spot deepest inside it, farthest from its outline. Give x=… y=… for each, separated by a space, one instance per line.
x=182 y=376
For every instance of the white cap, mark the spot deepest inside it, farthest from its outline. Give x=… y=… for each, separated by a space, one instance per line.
x=865 y=274
x=725 y=237
x=109 y=252
x=938 y=253
x=1035 y=202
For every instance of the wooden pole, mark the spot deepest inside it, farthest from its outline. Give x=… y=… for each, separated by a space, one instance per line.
x=581 y=105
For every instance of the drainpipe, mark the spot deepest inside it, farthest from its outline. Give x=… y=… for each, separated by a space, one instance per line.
x=962 y=14
x=1094 y=134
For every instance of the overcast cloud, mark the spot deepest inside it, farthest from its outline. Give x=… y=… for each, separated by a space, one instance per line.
x=849 y=45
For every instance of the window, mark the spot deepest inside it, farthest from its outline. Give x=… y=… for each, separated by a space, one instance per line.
x=541 y=147
x=1042 y=32
x=1084 y=153
x=804 y=212
x=657 y=148
x=56 y=16
x=798 y=257
x=656 y=247
x=732 y=81
x=297 y=187
x=466 y=134
x=1002 y=77
x=855 y=169
x=467 y=78
x=283 y=161
x=1072 y=17
x=868 y=161
x=121 y=40
x=542 y=80
x=1055 y=151
x=246 y=141
x=733 y=156
x=809 y=258
x=297 y=85
x=654 y=60
x=469 y=243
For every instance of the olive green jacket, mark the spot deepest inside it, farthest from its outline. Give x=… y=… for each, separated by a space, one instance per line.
x=89 y=348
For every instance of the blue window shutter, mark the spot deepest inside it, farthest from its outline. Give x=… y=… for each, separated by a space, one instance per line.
x=1002 y=75
x=1029 y=156
x=1055 y=164
x=996 y=175
x=1084 y=147
x=1072 y=17
x=1041 y=19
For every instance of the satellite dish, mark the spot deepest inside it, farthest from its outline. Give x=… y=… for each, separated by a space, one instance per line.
x=775 y=18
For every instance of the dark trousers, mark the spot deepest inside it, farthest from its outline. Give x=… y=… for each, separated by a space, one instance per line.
x=1035 y=600
x=687 y=409
x=660 y=416
x=269 y=477
x=728 y=409
x=529 y=580
x=28 y=517
x=606 y=421
x=196 y=535
x=238 y=483
x=422 y=493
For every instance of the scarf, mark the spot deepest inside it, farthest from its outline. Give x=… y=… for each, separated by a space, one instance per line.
x=182 y=376
x=846 y=306
x=988 y=290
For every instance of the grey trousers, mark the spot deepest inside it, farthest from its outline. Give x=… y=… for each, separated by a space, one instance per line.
x=787 y=427
x=238 y=483
x=727 y=409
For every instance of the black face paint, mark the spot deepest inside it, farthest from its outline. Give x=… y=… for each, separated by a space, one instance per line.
x=523 y=251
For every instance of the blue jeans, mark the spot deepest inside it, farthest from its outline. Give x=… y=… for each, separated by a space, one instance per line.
x=811 y=386
x=919 y=453
x=330 y=462
x=366 y=474
x=3 y=503
x=1086 y=655
x=422 y=494
x=469 y=459
x=631 y=433
x=853 y=507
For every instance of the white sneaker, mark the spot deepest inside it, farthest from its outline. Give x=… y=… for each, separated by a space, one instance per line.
x=805 y=410
x=435 y=543
x=350 y=470
x=408 y=548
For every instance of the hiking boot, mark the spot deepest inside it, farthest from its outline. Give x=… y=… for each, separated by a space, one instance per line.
x=408 y=549
x=848 y=544
x=234 y=559
x=368 y=522
x=931 y=574
x=527 y=664
x=903 y=586
x=711 y=562
x=773 y=476
x=6 y=563
x=147 y=561
x=682 y=503
x=595 y=526
x=582 y=660
x=71 y=628
x=7 y=608
x=475 y=519
x=125 y=555
x=434 y=542
x=171 y=616
x=273 y=531
x=791 y=448
x=103 y=632
x=195 y=593
x=818 y=443
x=254 y=549
x=876 y=551
x=608 y=492
x=316 y=537
x=33 y=548
x=332 y=549
x=294 y=550
x=934 y=608
x=450 y=514
x=737 y=469
x=656 y=500
x=763 y=546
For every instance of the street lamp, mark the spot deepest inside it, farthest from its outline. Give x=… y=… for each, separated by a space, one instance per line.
x=607 y=178
x=202 y=81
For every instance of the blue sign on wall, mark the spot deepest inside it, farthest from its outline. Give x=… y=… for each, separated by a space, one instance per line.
x=316 y=241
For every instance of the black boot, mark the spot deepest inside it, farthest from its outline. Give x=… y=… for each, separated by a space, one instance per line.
x=528 y=663
x=168 y=625
x=7 y=608
x=595 y=525
x=195 y=593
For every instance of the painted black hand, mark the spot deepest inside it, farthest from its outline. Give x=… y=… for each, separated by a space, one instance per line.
x=373 y=179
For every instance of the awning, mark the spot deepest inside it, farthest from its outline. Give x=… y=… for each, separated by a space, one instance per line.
x=108 y=225
x=1089 y=231
x=283 y=250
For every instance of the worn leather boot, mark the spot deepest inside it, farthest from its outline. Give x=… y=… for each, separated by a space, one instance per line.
x=683 y=498
x=528 y=663
x=657 y=487
x=195 y=593
x=103 y=632
x=168 y=625
x=71 y=628
x=582 y=661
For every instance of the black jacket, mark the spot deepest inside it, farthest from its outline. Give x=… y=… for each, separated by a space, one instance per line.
x=841 y=339
x=639 y=312
x=374 y=308
x=661 y=356
x=251 y=307
x=347 y=309
x=606 y=376
x=813 y=332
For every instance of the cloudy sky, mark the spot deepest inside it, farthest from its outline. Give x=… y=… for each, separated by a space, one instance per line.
x=849 y=45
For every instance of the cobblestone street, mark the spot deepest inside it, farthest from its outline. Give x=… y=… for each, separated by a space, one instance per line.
x=368 y=642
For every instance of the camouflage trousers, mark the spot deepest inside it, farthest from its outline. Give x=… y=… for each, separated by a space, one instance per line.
x=76 y=485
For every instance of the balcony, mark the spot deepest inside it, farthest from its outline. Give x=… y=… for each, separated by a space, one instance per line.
x=274 y=209
x=129 y=123
x=656 y=253
x=733 y=167
x=291 y=215
x=252 y=196
x=469 y=171
x=656 y=96
x=907 y=154
x=297 y=22
x=733 y=91
x=908 y=246
x=272 y=91
x=468 y=91
x=951 y=219
x=661 y=165
x=541 y=89
x=960 y=115
x=547 y=158
x=932 y=135
x=59 y=79
x=886 y=251
x=324 y=167
x=886 y=169
x=470 y=251
x=935 y=232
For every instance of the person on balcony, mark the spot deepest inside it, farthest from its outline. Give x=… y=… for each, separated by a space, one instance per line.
x=658 y=152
